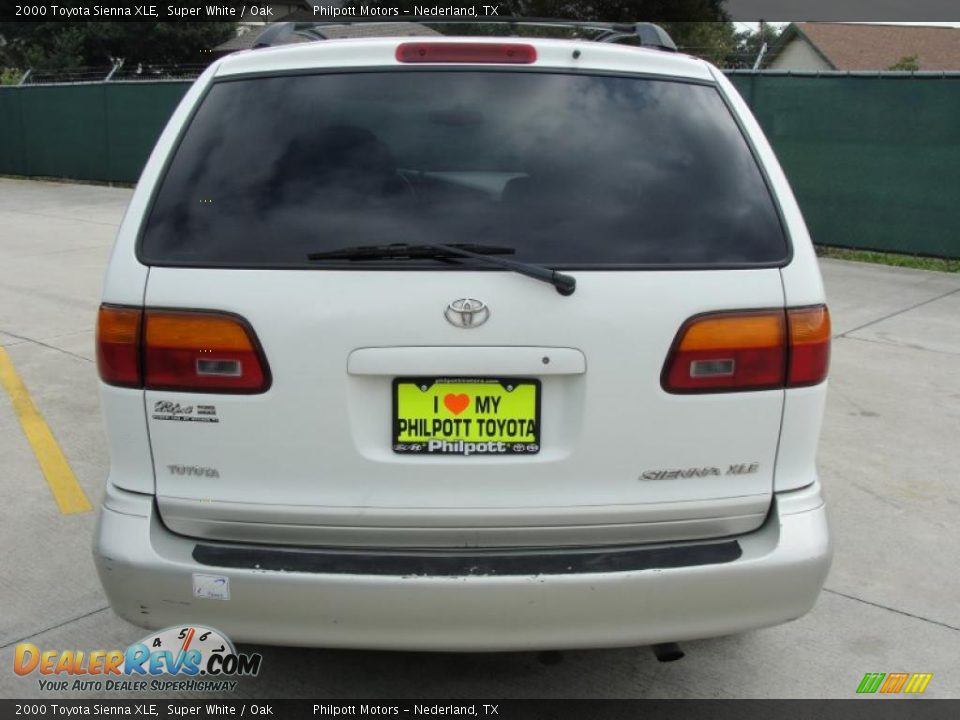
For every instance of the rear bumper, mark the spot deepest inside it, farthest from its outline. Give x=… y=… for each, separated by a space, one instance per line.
x=147 y=573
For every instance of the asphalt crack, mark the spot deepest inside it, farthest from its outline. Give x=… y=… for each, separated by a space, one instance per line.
x=905 y=346
x=54 y=627
x=23 y=338
x=899 y=312
x=893 y=610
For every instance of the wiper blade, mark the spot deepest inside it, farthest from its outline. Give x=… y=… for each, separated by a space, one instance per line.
x=407 y=250
x=565 y=284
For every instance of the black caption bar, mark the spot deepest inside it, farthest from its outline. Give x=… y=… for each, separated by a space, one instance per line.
x=919 y=11
x=249 y=11
x=499 y=709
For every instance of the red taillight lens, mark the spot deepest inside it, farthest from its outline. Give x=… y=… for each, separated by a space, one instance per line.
x=118 y=345
x=809 y=345
x=749 y=350
x=447 y=52
x=203 y=352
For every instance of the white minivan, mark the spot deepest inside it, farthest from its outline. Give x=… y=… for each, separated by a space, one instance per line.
x=463 y=343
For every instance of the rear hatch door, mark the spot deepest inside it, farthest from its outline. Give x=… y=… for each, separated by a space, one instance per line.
x=643 y=189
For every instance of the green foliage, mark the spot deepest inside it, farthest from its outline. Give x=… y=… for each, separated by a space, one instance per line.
x=10 y=76
x=918 y=262
x=907 y=63
x=749 y=43
x=66 y=45
x=713 y=41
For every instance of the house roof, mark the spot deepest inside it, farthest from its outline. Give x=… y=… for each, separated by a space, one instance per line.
x=244 y=39
x=861 y=46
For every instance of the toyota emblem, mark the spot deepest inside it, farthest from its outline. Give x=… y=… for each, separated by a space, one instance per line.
x=467 y=313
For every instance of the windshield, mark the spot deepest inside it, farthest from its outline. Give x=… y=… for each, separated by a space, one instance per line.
x=570 y=170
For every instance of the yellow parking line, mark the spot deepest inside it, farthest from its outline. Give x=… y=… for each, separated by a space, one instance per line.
x=63 y=483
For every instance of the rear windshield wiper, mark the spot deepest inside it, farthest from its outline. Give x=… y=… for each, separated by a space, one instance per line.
x=407 y=250
x=565 y=284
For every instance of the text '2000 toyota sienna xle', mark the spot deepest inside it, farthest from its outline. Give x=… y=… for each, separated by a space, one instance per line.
x=463 y=344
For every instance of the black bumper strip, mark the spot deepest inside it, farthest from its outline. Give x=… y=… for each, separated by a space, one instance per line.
x=465 y=563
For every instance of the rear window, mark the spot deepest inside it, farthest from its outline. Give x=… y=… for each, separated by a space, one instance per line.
x=572 y=171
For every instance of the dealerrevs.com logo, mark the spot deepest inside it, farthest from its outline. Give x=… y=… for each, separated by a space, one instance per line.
x=183 y=658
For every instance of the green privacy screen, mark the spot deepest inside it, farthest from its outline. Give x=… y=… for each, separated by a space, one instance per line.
x=90 y=131
x=874 y=160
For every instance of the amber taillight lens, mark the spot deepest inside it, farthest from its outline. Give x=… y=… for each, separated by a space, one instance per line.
x=809 y=345
x=118 y=345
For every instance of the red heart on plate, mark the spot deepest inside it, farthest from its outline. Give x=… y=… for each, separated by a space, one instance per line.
x=456 y=403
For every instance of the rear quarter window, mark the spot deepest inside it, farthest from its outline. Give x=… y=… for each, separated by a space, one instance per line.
x=575 y=171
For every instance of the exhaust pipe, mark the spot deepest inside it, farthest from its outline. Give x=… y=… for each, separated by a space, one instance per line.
x=550 y=657
x=667 y=652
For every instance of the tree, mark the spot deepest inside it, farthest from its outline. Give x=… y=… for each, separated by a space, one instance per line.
x=68 y=45
x=750 y=42
x=10 y=76
x=713 y=41
x=601 y=10
x=659 y=11
x=699 y=27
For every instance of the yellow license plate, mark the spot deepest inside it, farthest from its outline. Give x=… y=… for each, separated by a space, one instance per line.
x=466 y=416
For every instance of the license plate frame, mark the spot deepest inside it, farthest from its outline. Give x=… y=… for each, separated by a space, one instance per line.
x=459 y=444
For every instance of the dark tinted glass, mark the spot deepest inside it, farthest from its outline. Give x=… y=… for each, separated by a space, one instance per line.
x=569 y=170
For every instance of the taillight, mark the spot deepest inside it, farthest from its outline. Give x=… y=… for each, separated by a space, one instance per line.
x=182 y=350
x=749 y=350
x=118 y=345
x=809 y=345
x=728 y=351
x=202 y=351
x=447 y=52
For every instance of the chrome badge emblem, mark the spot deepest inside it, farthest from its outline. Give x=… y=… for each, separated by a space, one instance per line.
x=467 y=313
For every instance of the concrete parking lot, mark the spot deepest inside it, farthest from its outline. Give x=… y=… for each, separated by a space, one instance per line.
x=888 y=458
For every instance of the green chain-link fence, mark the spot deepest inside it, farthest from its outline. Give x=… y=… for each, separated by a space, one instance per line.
x=874 y=160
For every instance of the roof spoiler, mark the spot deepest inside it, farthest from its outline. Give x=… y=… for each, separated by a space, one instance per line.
x=648 y=34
